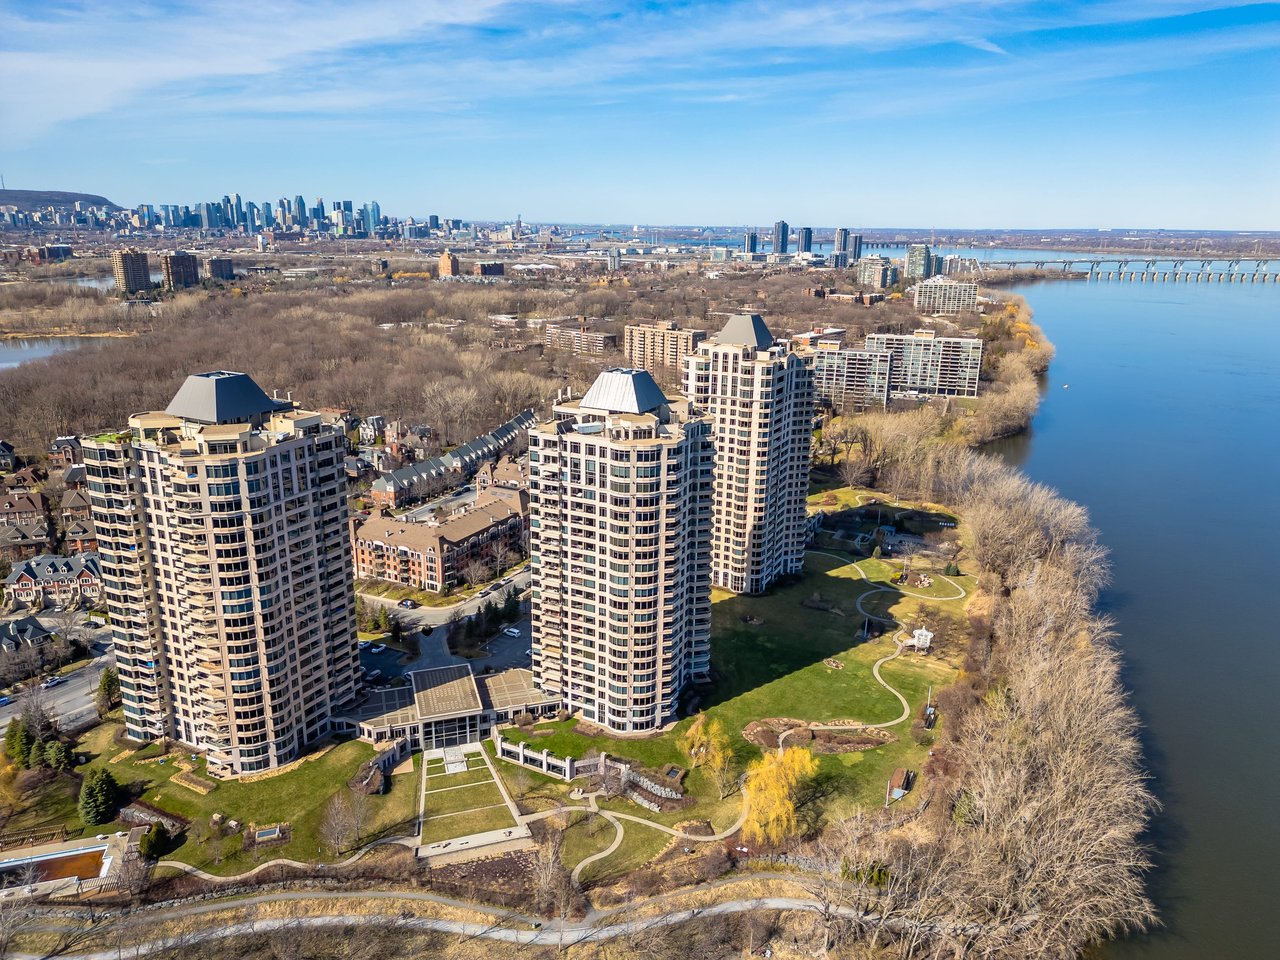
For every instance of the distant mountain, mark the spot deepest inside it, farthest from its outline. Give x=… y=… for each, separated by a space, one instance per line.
x=39 y=199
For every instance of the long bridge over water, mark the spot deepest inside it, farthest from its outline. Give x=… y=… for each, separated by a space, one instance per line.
x=1139 y=270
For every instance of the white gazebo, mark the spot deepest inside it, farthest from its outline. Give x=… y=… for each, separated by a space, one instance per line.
x=920 y=640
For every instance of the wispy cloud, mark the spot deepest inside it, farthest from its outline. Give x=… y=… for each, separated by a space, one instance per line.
x=328 y=57
x=190 y=76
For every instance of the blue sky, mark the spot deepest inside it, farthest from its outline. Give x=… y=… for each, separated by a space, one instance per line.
x=912 y=113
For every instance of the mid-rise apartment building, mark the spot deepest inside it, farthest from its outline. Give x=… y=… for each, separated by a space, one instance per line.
x=926 y=363
x=179 y=270
x=226 y=569
x=578 y=339
x=876 y=273
x=220 y=268
x=918 y=263
x=781 y=236
x=849 y=380
x=131 y=270
x=661 y=344
x=430 y=555
x=942 y=295
x=758 y=397
x=620 y=533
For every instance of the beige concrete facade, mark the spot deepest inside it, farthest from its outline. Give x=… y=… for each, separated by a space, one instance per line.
x=620 y=532
x=222 y=529
x=659 y=345
x=758 y=398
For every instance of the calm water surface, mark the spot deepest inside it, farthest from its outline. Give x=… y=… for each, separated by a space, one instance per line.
x=16 y=352
x=1168 y=433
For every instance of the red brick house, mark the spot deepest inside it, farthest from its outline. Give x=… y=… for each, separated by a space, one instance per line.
x=80 y=536
x=49 y=578
x=75 y=506
x=21 y=540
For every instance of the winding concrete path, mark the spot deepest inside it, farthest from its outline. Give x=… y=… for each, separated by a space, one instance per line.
x=898 y=639
x=616 y=817
x=607 y=852
x=531 y=932
x=282 y=862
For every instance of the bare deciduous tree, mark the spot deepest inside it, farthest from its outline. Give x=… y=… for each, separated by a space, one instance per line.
x=337 y=826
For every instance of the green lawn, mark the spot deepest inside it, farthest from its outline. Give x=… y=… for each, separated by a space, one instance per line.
x=474 y=775
x=775 y=669
x=465 y=824
x=585 y=835
x=297 y=797
x=454 y=799
x=639 y=846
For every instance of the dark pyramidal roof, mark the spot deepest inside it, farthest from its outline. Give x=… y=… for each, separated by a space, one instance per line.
x=747 y=329
x=221 y=396
x=622 y=390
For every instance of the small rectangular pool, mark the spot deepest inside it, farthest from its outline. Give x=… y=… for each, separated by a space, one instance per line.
x=269 y=833
x=86 y=864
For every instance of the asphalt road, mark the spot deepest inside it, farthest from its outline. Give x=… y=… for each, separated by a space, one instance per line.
x=434 y=616
x=71 y=702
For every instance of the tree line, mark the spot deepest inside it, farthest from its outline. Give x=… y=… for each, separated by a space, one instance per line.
x=1039 y=799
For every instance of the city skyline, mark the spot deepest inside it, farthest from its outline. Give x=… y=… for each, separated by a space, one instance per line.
x=1034 y=116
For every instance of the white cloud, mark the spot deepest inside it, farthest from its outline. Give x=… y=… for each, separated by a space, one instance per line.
x=332 y=59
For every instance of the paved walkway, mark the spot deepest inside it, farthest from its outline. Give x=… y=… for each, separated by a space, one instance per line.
x=898 y=639
x=616 y=817
x=506 y=925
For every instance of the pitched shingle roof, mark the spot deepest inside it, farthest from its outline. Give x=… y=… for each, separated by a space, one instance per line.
x=50 y=567
x=23 y=630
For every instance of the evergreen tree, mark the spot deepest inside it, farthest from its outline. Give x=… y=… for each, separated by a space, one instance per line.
x=17 y=742
x=98 y=797
x=35 y=755
x=12 y=733
x=108 y=690
x=57 y=755
x=154 y=842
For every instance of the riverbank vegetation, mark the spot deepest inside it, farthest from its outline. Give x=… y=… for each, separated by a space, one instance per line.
x=1032 y=846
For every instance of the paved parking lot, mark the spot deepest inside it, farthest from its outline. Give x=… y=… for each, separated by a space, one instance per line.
x=506 y=652
x=388 y=661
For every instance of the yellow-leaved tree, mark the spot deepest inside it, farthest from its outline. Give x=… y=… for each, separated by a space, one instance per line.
x=772 y=784
x=719 y=757
x=10 y=795
x=695 y=741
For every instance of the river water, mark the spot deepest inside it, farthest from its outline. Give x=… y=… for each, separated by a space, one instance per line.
x=16 y=352
x=1160 y=415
